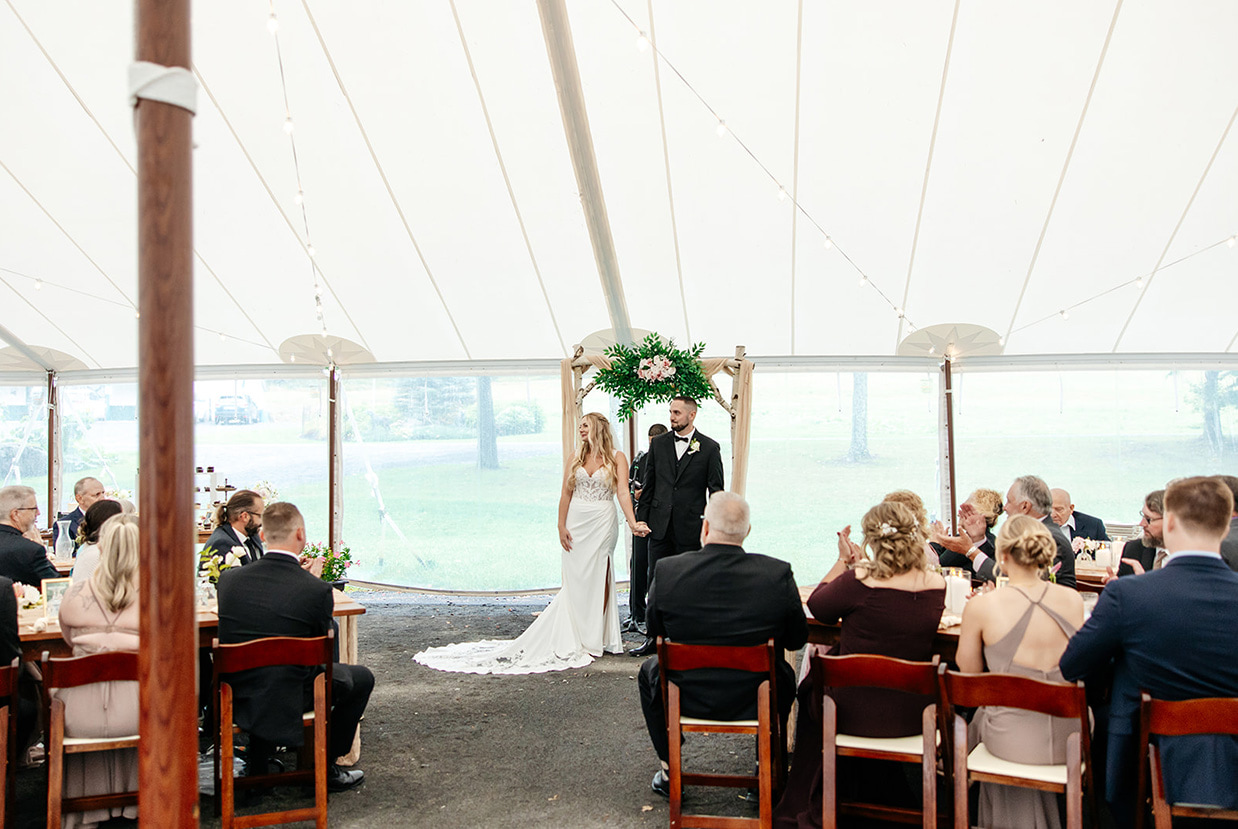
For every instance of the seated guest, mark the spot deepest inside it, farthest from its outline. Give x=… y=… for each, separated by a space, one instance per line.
x=27 y=710
x=962 y=550
x=1169 y=633
x=1229 y=546
x=1075 y=524
x=88 y=537
x=1021 y=629
x=719 y=595
x=1147 y=552
x=237 y=524
x=85 y=492
x=21 y=559
x=889 y=606
x=916 y=504
x=96 y=615
x=276 y=596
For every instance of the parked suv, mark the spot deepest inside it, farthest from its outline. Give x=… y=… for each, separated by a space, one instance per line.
x=236 y=409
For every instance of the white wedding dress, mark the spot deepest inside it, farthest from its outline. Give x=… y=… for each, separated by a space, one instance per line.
x=581 y=622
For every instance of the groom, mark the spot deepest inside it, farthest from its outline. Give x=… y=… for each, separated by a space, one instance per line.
x=683 y=468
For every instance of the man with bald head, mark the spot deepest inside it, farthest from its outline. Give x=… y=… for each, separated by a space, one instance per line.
x=1075 y=524
x=719 y=595
x=86 y=491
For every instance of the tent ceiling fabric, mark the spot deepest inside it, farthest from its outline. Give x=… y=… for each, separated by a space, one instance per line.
x=1069 y=147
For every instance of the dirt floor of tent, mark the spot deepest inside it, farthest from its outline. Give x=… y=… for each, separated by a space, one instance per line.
x=558 y=749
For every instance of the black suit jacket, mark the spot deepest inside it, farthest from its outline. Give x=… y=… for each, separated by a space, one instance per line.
x=10 y=642
x=273 y=596
x=1087 y=526
x=949 y=558
x=1135 y=549
x=675 y=490
x=23 y=560
x=222 y=540
x=1064 y=559
x=720 y=595
x=1169 y=632
x=1229 y=546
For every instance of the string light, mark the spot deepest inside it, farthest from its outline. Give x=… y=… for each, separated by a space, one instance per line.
x=828 y=243
x=221 y=336
x=642 y=42
x=1001 y=341
x=310 y=250
x=299 y=198
x=272 y=23
x=1139 y=282
x=782 y=194
x=1064 y=314
x=38 y=284
x=292 y=358
x=288 y=125
x=721 y=128
x=899 y=311
x=863 y=280
x=1233 y=240
x=137 y=315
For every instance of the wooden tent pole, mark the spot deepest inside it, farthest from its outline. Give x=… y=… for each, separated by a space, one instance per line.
x=947 y=404
x=334 y=525
x=167 y=665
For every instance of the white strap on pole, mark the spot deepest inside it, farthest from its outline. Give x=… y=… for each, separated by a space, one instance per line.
x=167 y=84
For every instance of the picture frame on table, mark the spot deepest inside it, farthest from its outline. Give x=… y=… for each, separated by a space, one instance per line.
x=53 y=592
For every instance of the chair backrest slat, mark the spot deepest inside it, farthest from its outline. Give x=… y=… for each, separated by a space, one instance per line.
x=681 y=657
x=273 y=650
x=873 y=671
x=1057 y=699
x=71 y=671
x=8 y=678
x=1216 y=715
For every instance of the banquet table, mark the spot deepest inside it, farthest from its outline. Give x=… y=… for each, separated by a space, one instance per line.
x=34 y=643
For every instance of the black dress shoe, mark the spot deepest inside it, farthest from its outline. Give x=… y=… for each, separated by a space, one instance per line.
x=661 y=783
x=339 y=779
x=649 y=646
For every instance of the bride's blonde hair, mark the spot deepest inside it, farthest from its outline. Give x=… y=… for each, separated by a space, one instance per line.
x=598 y=441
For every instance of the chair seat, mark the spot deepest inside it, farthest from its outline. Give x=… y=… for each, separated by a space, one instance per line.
x=894 y=745
x=983 y=761
x=737 y=723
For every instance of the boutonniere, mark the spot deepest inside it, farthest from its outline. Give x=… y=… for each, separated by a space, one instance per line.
x=694 y=447
x=237 y=551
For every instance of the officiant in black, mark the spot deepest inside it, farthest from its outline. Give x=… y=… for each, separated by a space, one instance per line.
x=683 y=468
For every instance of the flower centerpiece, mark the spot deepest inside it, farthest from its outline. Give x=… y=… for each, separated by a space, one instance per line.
x=335 y=562
x=213 y=562
x=653 y=371
x=267 y=490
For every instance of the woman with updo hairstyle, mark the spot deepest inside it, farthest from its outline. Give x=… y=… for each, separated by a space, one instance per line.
x=889 y=604
x=88 y=536
x=1020 y=629
x=97 y=615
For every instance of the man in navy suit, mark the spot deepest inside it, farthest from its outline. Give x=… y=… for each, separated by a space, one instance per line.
x=1076 y=524
x=1169 y=632
x=85 y=492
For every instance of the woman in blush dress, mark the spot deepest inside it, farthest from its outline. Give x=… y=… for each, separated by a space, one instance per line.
x=890 y=605
x=1020 y=629
x=88 y=537
x=96 y=615
x=582 y=622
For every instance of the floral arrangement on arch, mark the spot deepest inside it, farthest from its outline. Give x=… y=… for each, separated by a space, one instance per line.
x=267 y=490
x=335 y=563
x=653 y=371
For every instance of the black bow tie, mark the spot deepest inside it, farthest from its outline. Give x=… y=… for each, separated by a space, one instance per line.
x=677 y=437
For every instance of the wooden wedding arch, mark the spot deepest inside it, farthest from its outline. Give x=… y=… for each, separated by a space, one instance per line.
x=739 y=406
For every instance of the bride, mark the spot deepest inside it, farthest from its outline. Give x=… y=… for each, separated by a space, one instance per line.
x=582 y=622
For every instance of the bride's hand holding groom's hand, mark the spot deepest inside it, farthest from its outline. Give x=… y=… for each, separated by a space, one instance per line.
x=565 y=539
x=641 y=529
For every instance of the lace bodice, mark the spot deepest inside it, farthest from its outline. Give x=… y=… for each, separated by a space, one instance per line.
x=593 y=487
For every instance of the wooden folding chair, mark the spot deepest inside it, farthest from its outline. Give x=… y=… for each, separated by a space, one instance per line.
x=767 y=728
x=72 y=672
x=871 y=671
x=1217 y=715
x=1058 y=699
x=265 y=653
x=8 y=739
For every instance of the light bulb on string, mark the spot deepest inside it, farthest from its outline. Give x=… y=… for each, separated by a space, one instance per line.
x=221 y=336
x=863 y=280
x=642 y=42
x=299 y=198
x=292 y=358
x=1064 y=314
x=828 y=243
x=330 y=353
x=1231 y=241
x=38 y=284
x=137 y=315
x=1139 y=282
x=272 y=23
x=721 y=128
x=288 y=125
x=1001 y=341
x=899 y=312
x=310 y=250
x=782 y=194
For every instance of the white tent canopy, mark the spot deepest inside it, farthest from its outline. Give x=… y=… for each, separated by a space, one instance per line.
x=988 y=163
